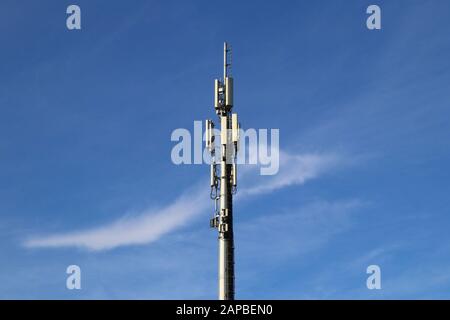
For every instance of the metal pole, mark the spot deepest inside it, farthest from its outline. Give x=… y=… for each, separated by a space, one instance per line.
x=226 y=181
x=225 y=62
x=226 y=241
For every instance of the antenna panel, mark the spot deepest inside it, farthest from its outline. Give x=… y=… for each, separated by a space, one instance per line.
x=228 y=91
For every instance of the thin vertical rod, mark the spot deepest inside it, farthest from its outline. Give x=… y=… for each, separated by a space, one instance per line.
x=225 y=60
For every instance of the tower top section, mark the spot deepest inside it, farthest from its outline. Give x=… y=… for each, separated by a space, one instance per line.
x=223 y=92
x=226 y=59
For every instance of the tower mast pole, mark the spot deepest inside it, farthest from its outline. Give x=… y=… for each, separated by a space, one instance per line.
x=226 y=180
x=226 y=238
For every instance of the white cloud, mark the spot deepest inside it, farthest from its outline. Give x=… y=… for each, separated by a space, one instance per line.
x=151 y=225
x=294 y=170
x=146 y=227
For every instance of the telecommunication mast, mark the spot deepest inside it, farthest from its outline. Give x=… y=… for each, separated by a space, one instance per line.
x=224 y=174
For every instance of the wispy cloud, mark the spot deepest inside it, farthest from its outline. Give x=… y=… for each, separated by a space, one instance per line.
x=294 y=170
x=298 y=230
x=150 y=225
x=145 y=227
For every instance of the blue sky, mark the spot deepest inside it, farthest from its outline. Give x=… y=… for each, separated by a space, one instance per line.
x=85 y=125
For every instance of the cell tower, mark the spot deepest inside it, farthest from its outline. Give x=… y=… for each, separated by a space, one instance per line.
x=224 y=182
